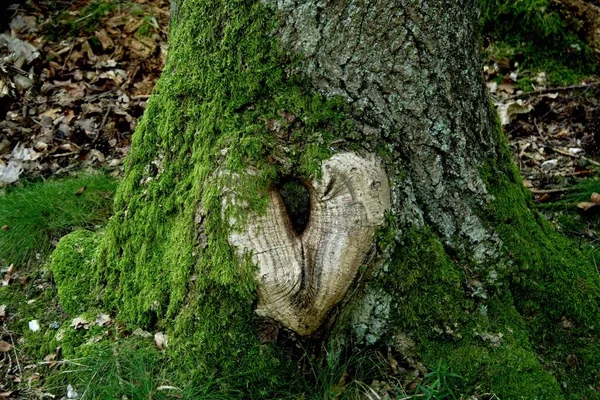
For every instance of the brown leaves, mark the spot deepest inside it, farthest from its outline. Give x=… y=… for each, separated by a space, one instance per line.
x=593 y=203
x=5 y=347
x=9 y=275
x=89 y=89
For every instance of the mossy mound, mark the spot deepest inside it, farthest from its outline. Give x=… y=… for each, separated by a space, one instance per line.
x=74 y=269
x=164 y=261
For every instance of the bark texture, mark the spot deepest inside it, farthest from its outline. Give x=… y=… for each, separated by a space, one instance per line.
x=411 y=72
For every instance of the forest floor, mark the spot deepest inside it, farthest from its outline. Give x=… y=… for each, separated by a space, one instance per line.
x=74 y=79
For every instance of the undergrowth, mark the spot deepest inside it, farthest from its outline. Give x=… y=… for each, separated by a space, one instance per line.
x=533 y=33
x=84 y=22
x=36 y=215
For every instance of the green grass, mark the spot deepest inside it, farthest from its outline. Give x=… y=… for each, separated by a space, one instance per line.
x=533 y=33
x=438 y=384
x=36 y=215
x=84 y=22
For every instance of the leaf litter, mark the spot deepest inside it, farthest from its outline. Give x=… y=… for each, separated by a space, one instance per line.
x=70 y=99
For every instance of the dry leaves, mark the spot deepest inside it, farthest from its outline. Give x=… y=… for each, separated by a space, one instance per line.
x=593 y=203
x=553 y=133
x=5 y=347
x=76 y=100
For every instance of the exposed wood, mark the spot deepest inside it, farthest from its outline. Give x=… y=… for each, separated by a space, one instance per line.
x=301 y=277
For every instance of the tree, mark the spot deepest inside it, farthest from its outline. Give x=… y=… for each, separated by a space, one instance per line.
x=323 y=112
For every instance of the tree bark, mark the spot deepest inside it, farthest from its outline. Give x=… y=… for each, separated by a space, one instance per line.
x=255 y=94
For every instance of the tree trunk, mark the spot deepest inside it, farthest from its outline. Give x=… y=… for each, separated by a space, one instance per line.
x=324 y=172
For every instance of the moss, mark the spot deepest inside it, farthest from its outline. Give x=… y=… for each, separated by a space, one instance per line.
x=477 y=333
x=164 y=261
x=533 y=33
x=554 y=283
x=73 y=265
x=532 y=332
x=235 y=120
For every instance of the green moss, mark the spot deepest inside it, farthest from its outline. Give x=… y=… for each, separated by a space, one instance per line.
x=476 y=332
x=533 y=33
x=73 y=265
x=164 y=261
x=532 y=331
x=554 y=283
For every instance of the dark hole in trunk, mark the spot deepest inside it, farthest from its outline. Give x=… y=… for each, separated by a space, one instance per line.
x=296 y=198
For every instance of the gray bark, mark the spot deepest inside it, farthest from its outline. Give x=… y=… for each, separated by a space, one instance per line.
x=411 y=71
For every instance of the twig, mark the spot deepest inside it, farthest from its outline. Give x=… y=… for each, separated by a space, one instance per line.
x=15 y=350
x=550 y=191
x=553 y=90
x=104 y=119
x=83 y=18
x=68 y=56
x=97 y=96
x=566 y=153
x=64 y=154
x=580 y=173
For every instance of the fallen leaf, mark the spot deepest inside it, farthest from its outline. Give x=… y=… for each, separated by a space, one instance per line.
x=80 y=323
x=51 y=359
x=9 y=274
x=5 y=346
x=103 y=319
x=34 y=325
x=586 y=205
x=509 y=111
x=595 y=198
x=2 y=312
x=80 y=191
x=21 y=48
x=10 y=173
x=160 y=340
x=105 y=41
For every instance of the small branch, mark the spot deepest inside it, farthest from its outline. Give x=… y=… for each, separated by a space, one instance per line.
x=550 y=191
x=15 y=350
x=553 y=90
x=104 y=119
x=566 y=153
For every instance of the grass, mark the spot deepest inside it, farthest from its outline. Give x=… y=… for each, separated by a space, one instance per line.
x=36 y=215
x=84 y=22
x=438 y=384
x=533 y=33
